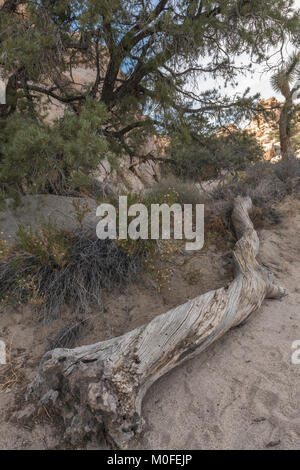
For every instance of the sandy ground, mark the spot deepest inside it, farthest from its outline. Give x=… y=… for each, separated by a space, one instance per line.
x=243 y=393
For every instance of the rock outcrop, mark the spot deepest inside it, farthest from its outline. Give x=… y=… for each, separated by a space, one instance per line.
x=265 y=128
x=133 y=174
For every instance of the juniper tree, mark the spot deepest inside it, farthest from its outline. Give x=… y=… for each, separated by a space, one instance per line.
x=146 y=57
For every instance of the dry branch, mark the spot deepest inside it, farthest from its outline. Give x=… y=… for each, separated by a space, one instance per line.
x=99 y=388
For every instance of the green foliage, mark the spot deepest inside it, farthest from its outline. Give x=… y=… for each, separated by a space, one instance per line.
x=144 y=54
x=282 y=81
x=39 y=158
x=231 y=150
x=48 y=247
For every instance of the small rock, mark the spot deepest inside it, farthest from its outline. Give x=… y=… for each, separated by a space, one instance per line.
x=273 y=444
x=259 y=420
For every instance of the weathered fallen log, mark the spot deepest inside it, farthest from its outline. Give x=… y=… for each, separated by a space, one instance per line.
x=99 y=388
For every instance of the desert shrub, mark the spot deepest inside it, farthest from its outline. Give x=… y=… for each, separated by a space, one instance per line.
x=52 y=268
x=287 y=170
x=154 y=254
x=203 y=159
x=266 y=183
x=184 y=192
x=217 y=213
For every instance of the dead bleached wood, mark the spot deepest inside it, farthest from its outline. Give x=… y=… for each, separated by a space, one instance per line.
x=99 y=388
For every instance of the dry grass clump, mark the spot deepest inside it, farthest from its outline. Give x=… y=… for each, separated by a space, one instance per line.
x=11 y=373
x=10 y=376
x=194 y=276
x=263 y=182
x=184 y=192
x=266 y=184
x=69 y=336
x=52 y=268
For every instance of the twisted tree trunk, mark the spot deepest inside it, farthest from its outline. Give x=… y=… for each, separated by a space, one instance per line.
x=99 y=388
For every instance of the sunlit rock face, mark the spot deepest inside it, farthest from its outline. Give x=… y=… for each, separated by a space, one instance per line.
x=134 y=174
x=265 y=129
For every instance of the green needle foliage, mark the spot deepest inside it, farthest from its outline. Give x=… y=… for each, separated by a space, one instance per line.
x=40 y=158
x=146 y=57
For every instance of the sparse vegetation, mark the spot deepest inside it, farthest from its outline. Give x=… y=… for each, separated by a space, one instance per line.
x=175 y=190
x=265 y=183
x=11 y=374
x=194 y=276
x=52 y=268
x=69 y=335
x=205 y=158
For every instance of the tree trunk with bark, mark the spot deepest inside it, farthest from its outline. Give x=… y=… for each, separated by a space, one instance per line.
x=98 y=389
x=284 y=129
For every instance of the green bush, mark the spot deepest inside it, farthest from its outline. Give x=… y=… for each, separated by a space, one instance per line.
x=38 y=158
x=207 y=158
